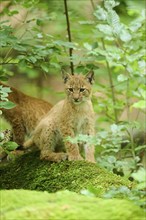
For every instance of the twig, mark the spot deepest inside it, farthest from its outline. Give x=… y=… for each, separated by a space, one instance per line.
x=93 y=5
x=69 y=36
x=3 y=63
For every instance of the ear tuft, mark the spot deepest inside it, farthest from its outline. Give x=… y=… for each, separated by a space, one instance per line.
x=65 y=76
x=90 y=77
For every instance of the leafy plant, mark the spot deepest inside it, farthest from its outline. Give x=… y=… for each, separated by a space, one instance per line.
x=119 y=48
x=4 y=102
x=137 y=194
x=6 y=145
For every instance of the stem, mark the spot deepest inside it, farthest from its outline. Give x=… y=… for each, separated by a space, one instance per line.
x=8 y=63
x=93 y=5
x=127 y=101
x=111 y=84
x=130 y=133
x=69 y=36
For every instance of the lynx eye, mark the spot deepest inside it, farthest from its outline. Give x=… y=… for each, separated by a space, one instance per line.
x=82 y=89
x=70 y=89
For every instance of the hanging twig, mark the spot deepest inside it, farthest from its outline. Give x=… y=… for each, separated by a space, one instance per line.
x=69 y=36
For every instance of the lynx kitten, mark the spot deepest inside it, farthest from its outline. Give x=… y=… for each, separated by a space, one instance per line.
x=69 y=117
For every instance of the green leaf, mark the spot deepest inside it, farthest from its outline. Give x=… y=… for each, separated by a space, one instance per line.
x=3 y=78
x=10 y=145
x=111 y=159
x=140 y=175
x=125 y=36
x=110 y=4
x=140 y=104
x=5 y=89
x=86 y=22
x=104 y=28
x=65 y=44
x=94 y=45
x=139 y=148
x=2 y=136
x=39 y=22
x=143 y=93
x=19 y=47
x=45 y=67
x=39 y=35
x=114 y=128
x=88 y=46
x=122 y=78
x=114 y=21
x=7 y=105
x=56 y=65
x=100 y=13
x=32 y=59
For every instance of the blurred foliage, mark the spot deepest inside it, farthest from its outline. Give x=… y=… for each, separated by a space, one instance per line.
x=107 y=36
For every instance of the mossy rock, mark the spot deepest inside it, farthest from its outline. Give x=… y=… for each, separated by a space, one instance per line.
x=64 y=205
x=29 y=172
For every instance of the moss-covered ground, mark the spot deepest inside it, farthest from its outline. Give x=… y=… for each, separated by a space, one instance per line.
x=64 y=205
x=29 y=172
x=34 y=189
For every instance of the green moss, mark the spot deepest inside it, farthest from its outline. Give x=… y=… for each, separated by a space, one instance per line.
x=28 y=172
x=64 y=205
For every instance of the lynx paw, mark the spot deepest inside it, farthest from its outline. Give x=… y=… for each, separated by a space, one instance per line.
x=75 y=157
x=3 y=155
x=91 y=160
x=51 y=156
x=61 y=157
x=14 y=154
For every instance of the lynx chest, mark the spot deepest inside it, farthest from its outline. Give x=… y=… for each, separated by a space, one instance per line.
x=80 y=124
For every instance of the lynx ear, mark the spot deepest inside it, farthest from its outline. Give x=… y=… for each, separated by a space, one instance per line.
x=65 y=76
x=90 y=77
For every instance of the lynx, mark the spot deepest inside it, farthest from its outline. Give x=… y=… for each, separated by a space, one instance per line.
x=25 y=115
x=72 y=116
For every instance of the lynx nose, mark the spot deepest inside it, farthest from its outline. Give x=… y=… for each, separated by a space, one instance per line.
x=76 y=99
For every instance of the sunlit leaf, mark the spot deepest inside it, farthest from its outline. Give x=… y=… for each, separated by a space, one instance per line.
x=140 y=104
x=122 y=78
x=10 y=145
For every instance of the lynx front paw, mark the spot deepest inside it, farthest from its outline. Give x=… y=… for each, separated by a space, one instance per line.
x=75 y=157
x=61 y=157
x=91 y=160
x=14 y=154
x=51 y=156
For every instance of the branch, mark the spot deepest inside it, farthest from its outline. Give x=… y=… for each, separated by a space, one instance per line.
x=5 y=63
x=69 y=36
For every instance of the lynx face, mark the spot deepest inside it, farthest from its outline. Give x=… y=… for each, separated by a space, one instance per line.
x=78 y=88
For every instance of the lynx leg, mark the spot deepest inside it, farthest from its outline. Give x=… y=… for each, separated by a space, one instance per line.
x=73 y=151
x=89 y=153
x=19 y=134
x=47 y=142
